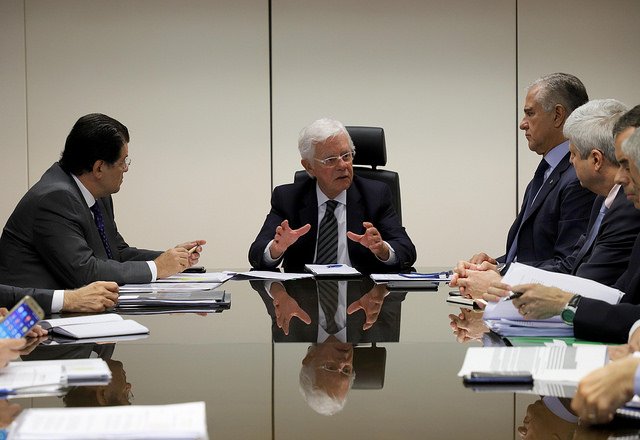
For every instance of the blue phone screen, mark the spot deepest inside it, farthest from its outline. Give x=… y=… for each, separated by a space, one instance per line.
x=18 y=323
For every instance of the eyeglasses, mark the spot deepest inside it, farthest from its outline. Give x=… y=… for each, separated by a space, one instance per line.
x=347 y=370
x=124 y=165
x=331 y=162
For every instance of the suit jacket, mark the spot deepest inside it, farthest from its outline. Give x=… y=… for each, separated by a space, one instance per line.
x=9 y=296
x=556 y=220
x=304 y=292
x=608 y=256
x=367 y=200
x=599 y=321
x=51 y=240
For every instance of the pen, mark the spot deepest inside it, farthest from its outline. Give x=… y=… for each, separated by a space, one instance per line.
x=193 y=249
x=334 y=265
x=514 y=295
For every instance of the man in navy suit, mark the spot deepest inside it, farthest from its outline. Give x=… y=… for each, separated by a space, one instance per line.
x=555 y=209
x=602 y=253
x=369 y=236
x=593 y=319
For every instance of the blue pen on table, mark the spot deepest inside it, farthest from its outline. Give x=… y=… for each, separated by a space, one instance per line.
x=445 y=274
x=333 y=265
x=5 y=392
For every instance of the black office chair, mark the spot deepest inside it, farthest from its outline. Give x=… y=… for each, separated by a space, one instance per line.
x=371 y=150
x=369 y=365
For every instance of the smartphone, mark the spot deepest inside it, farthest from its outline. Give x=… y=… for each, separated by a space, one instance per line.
x=21 y=319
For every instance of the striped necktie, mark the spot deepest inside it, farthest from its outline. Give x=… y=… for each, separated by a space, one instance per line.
x=328 y=236
x=328 y=297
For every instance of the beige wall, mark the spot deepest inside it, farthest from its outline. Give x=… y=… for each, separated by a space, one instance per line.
x=191 y=81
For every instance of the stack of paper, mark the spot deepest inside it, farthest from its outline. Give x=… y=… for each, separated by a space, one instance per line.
x=34 y=378
x=554 y=363
x=198 y=300
x=503 y=318
x=186 y=421
x=93 y=326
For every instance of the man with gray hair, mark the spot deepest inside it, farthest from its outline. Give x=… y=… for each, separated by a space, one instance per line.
x=555 y=209
x=333 y=217
x=602 y=253
x=593 y=319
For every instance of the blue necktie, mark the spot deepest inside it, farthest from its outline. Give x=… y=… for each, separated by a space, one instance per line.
x=593 y=232
x=97 y=217
x=328 y=236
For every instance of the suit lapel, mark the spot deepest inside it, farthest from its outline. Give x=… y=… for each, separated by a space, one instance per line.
x=309 y=214
x=547 y=186
x=355 y=212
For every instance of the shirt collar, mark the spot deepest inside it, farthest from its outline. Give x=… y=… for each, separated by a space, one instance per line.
x=88 y=197
x=612 y=195
x=322 y=198
x=556 y=154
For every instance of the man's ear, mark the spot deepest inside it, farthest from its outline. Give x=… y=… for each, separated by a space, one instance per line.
x=98 y=167
x=307 y=166
x=559 y=116
x=598 y=159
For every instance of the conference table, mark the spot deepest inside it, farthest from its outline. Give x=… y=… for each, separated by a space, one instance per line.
x=247 y=370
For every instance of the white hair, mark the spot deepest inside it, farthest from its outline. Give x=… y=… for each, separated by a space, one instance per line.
x=317 y=133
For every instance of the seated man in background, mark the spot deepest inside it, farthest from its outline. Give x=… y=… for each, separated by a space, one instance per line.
x=555 y=208
x=334 y=217
x=602 y=254
x=62 y=234
x=592 y=319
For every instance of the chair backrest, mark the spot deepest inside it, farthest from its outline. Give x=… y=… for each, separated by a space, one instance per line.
x=371 y=151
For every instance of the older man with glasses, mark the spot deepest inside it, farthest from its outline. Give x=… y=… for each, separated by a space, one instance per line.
x=333 y=217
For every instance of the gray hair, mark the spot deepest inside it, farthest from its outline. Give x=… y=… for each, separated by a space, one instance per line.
x=317 y=398
x=631 y=147
x=590 y=127
x=560 y=88
x=317 y=133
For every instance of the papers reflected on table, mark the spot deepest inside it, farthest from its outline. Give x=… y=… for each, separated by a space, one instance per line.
x=555 y=363
x=269 y=275
x=503 y=318
x=93 y=326
x=332 y=270
x=168 y=287
x=444 y=276
x=184 y=421
x=38 y=378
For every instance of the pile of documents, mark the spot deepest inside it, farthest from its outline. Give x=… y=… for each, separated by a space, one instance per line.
x=93 y=326
x=503 y=318
x=185 y=421
x=181 y=293
x=37 y=378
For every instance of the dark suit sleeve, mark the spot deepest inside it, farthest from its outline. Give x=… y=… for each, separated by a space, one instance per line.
x=275 y=217
x=9 y=296
x=603 y=322
x=61 y=228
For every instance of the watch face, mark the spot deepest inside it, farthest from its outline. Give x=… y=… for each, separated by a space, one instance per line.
x=567 y=315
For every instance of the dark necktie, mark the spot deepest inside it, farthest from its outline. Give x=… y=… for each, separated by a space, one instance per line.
x=328 y=236
x=591 y=237
x=97 y=217
x=328 y=297
x=534 y=188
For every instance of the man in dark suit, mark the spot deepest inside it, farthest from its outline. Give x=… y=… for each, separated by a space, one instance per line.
x=594 y=319
x=63 y=234
x=602 y=253
x=555 y=209
x=369 y=235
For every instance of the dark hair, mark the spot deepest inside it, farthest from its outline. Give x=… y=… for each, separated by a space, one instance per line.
x=93 y=137
x=629 y=119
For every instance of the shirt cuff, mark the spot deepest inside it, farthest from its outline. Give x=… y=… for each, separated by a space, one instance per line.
x=636 y=377
x=266 y=256
x=393 y=259
x=154 y=270
x=634 y=327
x=57 y=301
